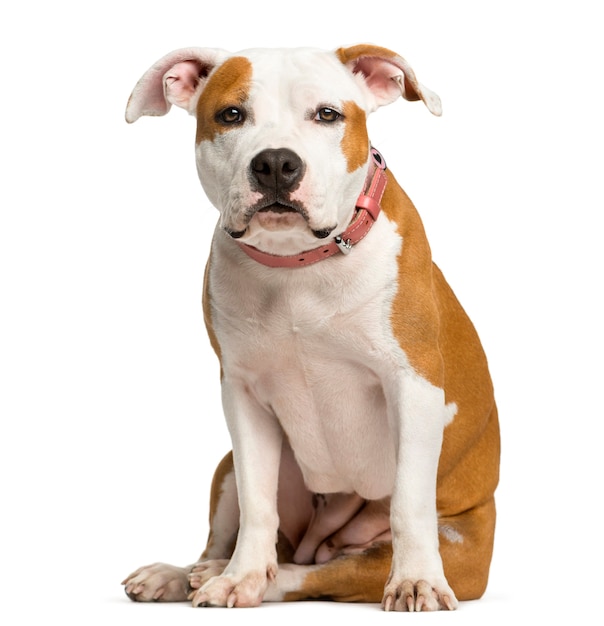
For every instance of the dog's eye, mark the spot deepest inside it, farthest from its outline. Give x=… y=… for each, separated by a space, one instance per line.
x=230 y=115
x=327 y=114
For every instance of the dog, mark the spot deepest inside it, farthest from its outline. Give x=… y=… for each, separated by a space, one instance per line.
x=365 y=438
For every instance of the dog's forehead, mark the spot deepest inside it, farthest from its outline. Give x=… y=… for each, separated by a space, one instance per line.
x=290 y=60
x=307 y=72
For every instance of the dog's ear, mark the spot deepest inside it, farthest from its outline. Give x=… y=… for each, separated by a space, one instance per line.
x=387 y=76
x=176 y=79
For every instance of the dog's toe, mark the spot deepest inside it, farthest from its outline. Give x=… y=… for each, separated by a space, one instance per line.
x=203 y=571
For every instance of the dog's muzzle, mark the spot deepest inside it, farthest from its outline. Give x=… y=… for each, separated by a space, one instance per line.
x=276 y=173
x=368 y=209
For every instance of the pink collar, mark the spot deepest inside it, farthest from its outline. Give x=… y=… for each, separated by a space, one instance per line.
x=368 y=209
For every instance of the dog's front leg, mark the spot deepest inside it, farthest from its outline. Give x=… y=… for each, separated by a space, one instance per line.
x=418 y=415
x=257 y=439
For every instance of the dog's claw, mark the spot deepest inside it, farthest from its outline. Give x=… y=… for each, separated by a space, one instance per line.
x=410 y=605
x=197 y=599
x=387 y=604
x=158 y=594
x=448 y=602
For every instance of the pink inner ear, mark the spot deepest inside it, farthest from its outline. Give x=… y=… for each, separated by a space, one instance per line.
x=181 y=81
x=172 y=80
x=378 y=75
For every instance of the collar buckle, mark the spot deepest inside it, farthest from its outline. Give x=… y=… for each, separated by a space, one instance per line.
x=345 y=245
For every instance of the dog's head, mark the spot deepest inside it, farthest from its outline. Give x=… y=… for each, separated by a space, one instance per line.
x=282 y=147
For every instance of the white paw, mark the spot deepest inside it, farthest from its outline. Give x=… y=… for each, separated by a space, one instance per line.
x=158 y=583
x=420 y=595
x=234 y=591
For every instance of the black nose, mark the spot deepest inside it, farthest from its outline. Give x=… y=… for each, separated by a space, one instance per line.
x=280 y=169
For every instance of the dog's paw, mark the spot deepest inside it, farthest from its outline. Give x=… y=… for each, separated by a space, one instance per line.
x=418 y=596
x=158 y=583
x=234 y=591
x=203 y=571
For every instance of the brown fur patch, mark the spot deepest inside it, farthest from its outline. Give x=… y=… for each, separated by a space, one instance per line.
x=228 y=86
x=415 y=317
x=207 y=313
x=224 y=469
x=363 y=50
x=466 y=562
x=355 y=143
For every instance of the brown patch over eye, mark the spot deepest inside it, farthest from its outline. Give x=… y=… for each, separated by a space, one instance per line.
x=355 y=143
x=227 y=90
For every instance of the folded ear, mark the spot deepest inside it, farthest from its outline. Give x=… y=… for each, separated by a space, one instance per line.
x=387 y=76
x=176 y=79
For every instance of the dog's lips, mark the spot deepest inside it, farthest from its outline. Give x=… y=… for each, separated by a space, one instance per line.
x=278 y=216
x=277 y=207
x=282 y=209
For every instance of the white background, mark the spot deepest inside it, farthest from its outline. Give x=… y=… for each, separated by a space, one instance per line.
x=110 y=417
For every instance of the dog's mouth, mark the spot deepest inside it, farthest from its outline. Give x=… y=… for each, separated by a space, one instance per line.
x=278 y=215
x=277 y=207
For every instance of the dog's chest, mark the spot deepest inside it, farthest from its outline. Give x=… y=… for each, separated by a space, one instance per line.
x=312 y=348
x=332 y=408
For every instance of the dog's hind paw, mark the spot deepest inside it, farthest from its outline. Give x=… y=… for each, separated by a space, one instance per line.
x=203 y=571
x=418 y=596
x=158 y=583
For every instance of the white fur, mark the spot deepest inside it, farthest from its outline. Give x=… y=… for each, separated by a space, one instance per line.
x=312 y=345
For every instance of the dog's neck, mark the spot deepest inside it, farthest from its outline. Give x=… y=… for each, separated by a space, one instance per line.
x=367 y=211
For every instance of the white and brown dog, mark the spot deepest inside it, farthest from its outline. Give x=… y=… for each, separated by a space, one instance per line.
x=356 y=391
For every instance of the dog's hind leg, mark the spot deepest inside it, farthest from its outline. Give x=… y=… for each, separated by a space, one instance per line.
x=466 y=543
x=466 y=546
x=224 y=512
x=356 y=577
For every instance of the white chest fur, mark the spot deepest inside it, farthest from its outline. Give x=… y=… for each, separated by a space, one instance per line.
x=313 y=346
